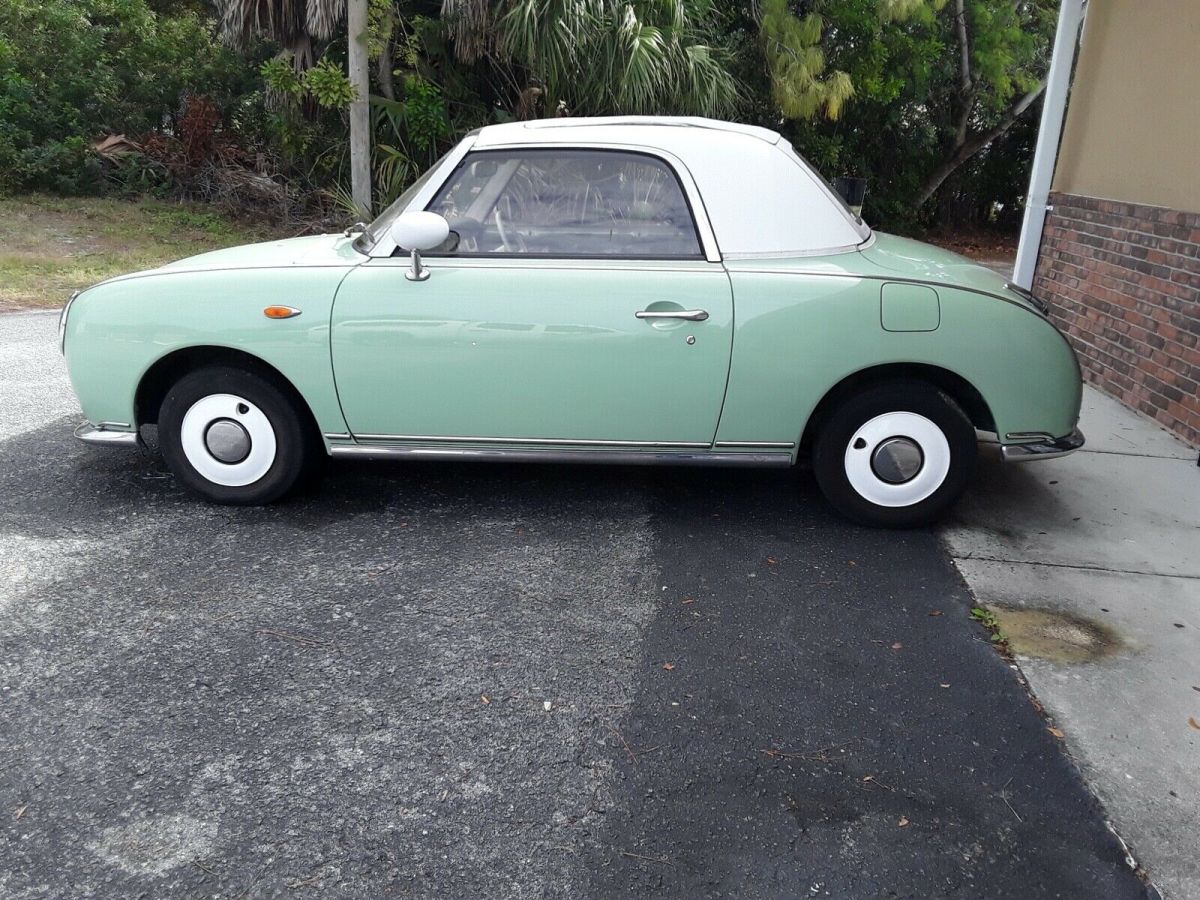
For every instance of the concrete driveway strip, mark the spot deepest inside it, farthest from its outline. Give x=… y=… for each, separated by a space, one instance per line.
x=1094 y=564
x=444 y=681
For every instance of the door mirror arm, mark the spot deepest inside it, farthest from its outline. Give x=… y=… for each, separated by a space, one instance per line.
x=416 y=271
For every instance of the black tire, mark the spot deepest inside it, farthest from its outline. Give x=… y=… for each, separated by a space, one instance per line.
x=294 y=456
x=834 y=456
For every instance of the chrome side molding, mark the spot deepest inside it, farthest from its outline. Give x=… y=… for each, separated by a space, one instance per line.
x=613 y=457
x=1046 y=447
x=564 y=442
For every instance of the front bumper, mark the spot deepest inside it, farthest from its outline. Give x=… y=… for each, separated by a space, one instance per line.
x=106 y=434
x=1047 y=448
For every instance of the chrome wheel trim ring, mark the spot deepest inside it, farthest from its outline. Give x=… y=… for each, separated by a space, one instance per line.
x=213 y=409
x=866 y=442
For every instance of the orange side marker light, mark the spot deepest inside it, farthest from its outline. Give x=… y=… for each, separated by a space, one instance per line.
x=280 y=312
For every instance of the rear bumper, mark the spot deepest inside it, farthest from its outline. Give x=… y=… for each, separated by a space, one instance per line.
x=1049 y=448
x=106 y=434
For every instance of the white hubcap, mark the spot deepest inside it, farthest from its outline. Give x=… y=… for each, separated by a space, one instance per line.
x=228 y=440
x=897 y=459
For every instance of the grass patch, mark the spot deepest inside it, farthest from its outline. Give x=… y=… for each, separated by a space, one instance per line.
x=50 y=246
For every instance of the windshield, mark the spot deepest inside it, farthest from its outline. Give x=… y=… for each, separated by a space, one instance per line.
x=384 y=220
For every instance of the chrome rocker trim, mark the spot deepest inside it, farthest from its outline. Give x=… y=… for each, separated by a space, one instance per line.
x=614 y=457
x=1046 y=448
x=106 y=435
x=565 y=442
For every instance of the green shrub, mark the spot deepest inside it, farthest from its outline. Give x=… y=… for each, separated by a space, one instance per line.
x=72 y=71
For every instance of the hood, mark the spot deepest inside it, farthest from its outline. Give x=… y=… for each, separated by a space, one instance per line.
x=906 y=258
x=314 y=250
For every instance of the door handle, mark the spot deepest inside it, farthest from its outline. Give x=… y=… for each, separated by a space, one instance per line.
x=692 y=315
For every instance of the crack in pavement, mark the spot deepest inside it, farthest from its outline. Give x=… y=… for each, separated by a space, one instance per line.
x=1053 y=565
x=1182 y=459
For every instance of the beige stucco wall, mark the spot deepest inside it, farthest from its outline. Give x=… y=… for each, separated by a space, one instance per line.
x=1133 y=121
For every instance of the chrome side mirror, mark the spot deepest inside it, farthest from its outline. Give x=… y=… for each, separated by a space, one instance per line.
x=417 y=231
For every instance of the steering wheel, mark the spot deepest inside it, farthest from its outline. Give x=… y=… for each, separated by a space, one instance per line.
x=509 y=245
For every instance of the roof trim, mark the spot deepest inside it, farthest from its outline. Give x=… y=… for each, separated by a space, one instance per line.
x=566 y=123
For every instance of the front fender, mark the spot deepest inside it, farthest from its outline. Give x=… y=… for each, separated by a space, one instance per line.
x=117 y=330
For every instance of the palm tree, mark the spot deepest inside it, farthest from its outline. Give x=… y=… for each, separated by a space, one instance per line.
x=293 y=24
x=589 y=57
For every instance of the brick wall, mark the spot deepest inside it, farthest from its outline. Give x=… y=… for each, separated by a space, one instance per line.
x=1123 y=281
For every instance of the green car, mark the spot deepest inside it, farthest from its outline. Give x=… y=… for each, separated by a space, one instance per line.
x=630 y=290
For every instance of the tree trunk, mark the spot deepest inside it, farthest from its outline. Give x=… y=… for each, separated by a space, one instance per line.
x=968 y=146
x=383 y=71
x=360 y=115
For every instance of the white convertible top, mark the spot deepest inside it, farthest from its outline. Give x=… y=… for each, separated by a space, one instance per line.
x=762 y=199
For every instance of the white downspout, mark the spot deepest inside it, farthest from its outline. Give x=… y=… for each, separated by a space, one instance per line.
x=1045 y=155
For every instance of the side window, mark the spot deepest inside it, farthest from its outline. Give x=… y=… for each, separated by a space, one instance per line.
x=567 y=203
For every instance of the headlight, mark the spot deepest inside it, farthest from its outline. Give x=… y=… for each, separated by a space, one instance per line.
x=62 y=322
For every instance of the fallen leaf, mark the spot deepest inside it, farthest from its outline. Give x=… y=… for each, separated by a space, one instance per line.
x=771 y=560
x=21 y=811
x=897 y=645
x=485 y=698
x=1057 y=732
x=853 y=563
x=936 y=612
x=1192 y=721
x=687 y=600
x=903 y=823
x=668 y=666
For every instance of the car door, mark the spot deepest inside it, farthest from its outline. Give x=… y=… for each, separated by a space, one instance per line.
x=573 y=305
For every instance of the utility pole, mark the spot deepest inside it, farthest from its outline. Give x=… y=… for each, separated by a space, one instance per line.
x=360 y=114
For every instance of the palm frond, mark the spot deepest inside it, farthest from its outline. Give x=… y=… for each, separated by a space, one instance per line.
x=322 y=17
x=290 y=23
x=469 y=23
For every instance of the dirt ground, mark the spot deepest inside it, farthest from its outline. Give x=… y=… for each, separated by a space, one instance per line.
x=982 y=246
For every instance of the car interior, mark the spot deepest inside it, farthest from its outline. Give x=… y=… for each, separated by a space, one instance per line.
x=566 y=203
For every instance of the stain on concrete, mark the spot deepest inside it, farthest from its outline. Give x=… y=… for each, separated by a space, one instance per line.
x=156 y=845
x=1056 y=636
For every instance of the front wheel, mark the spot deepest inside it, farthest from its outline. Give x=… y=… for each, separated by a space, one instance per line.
x=895 y=456
x=233 y=437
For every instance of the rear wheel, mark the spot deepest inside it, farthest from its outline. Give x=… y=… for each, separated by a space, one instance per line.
x=233 y=436
x=895 y=456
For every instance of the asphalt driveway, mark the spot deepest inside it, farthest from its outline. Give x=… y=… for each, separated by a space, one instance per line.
x=498 y=681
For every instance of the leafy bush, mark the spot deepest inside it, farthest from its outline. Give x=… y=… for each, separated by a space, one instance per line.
x=74 y=70
x=328 y=85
